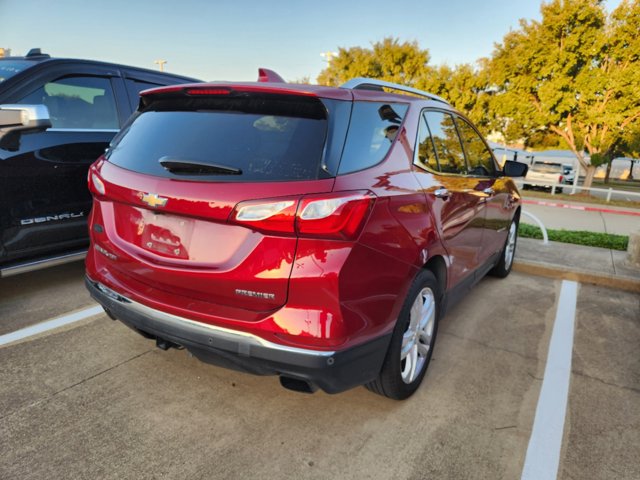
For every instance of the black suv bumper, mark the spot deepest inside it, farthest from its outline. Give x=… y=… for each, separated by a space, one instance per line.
x=333 y=372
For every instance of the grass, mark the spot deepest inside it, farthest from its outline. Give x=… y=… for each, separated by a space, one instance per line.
x=591 y=239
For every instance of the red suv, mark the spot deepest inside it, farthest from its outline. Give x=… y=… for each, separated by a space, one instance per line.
x=310 y=232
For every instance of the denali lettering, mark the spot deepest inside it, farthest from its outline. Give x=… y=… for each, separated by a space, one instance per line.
x=249 y=293
x=51 y=218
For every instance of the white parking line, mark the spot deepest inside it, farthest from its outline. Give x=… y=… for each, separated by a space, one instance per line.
x=49 y=325
x=543 y=452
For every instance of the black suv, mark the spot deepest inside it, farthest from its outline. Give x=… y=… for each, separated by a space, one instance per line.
x=56 y=117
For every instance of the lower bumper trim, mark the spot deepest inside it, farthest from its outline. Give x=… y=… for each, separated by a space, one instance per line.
x=332 y=371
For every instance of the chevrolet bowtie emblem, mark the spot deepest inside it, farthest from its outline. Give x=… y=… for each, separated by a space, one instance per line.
x=153 y=200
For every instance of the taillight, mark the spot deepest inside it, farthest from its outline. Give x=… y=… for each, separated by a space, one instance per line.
x=338 y=216
x=96 y=185
x=560 y=179
x=275 y=216
x=335 y=216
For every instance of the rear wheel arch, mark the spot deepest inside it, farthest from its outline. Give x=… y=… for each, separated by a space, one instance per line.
x=438 y=267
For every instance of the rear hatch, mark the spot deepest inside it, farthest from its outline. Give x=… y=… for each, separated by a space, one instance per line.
x=198 y=194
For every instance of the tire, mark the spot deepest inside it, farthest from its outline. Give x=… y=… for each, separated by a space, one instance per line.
x=416 y=328
x=503 y=267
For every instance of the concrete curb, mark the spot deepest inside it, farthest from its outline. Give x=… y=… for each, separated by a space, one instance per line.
x=556 y=271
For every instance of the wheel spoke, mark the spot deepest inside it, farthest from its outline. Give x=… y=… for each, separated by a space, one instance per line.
x=408 y=341
x=414 y=363
x=426 y=334
x=415 y=314
x=427 y=314
x=423 y=349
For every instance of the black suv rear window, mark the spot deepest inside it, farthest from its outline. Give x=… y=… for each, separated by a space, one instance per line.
x=8 y=68
x=248 y=139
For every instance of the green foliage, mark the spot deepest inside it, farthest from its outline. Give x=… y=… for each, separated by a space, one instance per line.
x=591 y=239
x=574 y=74
x=569 y=80
x=388 y=60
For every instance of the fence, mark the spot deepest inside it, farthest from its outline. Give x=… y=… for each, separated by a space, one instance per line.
x=607 y=193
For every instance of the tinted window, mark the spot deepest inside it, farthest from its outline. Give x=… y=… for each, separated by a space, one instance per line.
x=253 y=138
x=479 y=157
x=78 y=103
x=8 y=68
x=372 y=129
x=134 y=87
x=425 y=153
x=547 y=167
x=446 y=142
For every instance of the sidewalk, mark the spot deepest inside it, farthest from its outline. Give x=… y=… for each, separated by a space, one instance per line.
x=599 y=266
x=570 y=215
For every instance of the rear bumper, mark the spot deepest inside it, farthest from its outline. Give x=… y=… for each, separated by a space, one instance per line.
x=332 y=371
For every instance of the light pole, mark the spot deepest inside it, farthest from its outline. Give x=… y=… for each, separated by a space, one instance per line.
x=160 y=64
x=328 y=56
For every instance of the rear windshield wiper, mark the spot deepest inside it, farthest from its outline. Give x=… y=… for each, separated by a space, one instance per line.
x=192 y=167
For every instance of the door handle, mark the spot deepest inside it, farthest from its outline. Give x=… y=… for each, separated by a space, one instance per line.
x=442 y=193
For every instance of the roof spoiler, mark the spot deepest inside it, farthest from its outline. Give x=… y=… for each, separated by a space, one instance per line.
x=266 y=75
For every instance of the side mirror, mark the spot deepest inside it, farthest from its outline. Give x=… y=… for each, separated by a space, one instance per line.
x=18 y=119
x=515 y=169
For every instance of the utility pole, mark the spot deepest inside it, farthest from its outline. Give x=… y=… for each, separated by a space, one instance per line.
x=160 y=64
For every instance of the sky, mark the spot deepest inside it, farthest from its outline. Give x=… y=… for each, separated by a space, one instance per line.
x=230 y=40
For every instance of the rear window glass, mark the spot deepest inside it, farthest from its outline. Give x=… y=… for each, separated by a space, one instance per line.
x=8 y=68
x=240 y=139
x=545 y=167
x=372 y=130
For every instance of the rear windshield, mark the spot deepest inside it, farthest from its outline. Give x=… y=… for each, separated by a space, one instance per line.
x=544 y=167
x=8 y=68
x=266 y=138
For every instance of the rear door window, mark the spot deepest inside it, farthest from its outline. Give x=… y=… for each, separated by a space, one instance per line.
x=240 y=139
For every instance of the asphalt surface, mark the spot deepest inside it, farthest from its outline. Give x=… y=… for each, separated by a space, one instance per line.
x=95 y=400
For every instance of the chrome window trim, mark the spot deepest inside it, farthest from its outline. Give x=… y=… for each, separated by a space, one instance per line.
x=104 y=130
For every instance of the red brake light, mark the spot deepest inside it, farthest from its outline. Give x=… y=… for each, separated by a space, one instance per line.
x=338 y=216
x=269 y=215
x=208 y=91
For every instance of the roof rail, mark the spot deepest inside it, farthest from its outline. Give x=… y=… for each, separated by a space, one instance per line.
x=377 y=85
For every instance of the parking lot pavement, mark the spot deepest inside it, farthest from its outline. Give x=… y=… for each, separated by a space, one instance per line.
x=98 y=401
x=33 y=297
x=602 y=437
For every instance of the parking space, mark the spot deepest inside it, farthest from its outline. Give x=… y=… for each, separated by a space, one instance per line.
x=34 y=297
x=94 y=400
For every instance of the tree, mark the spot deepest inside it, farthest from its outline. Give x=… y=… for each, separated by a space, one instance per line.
x=573 y=74
x=387 y=60
x=407 y=64
x=466 y=87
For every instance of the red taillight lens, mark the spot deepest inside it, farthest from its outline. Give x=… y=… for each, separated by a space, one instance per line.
x=339 y=216
x=334 y=216
x=208 y=91
x=560 y=179
x=96 y=185
x=273 y=215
